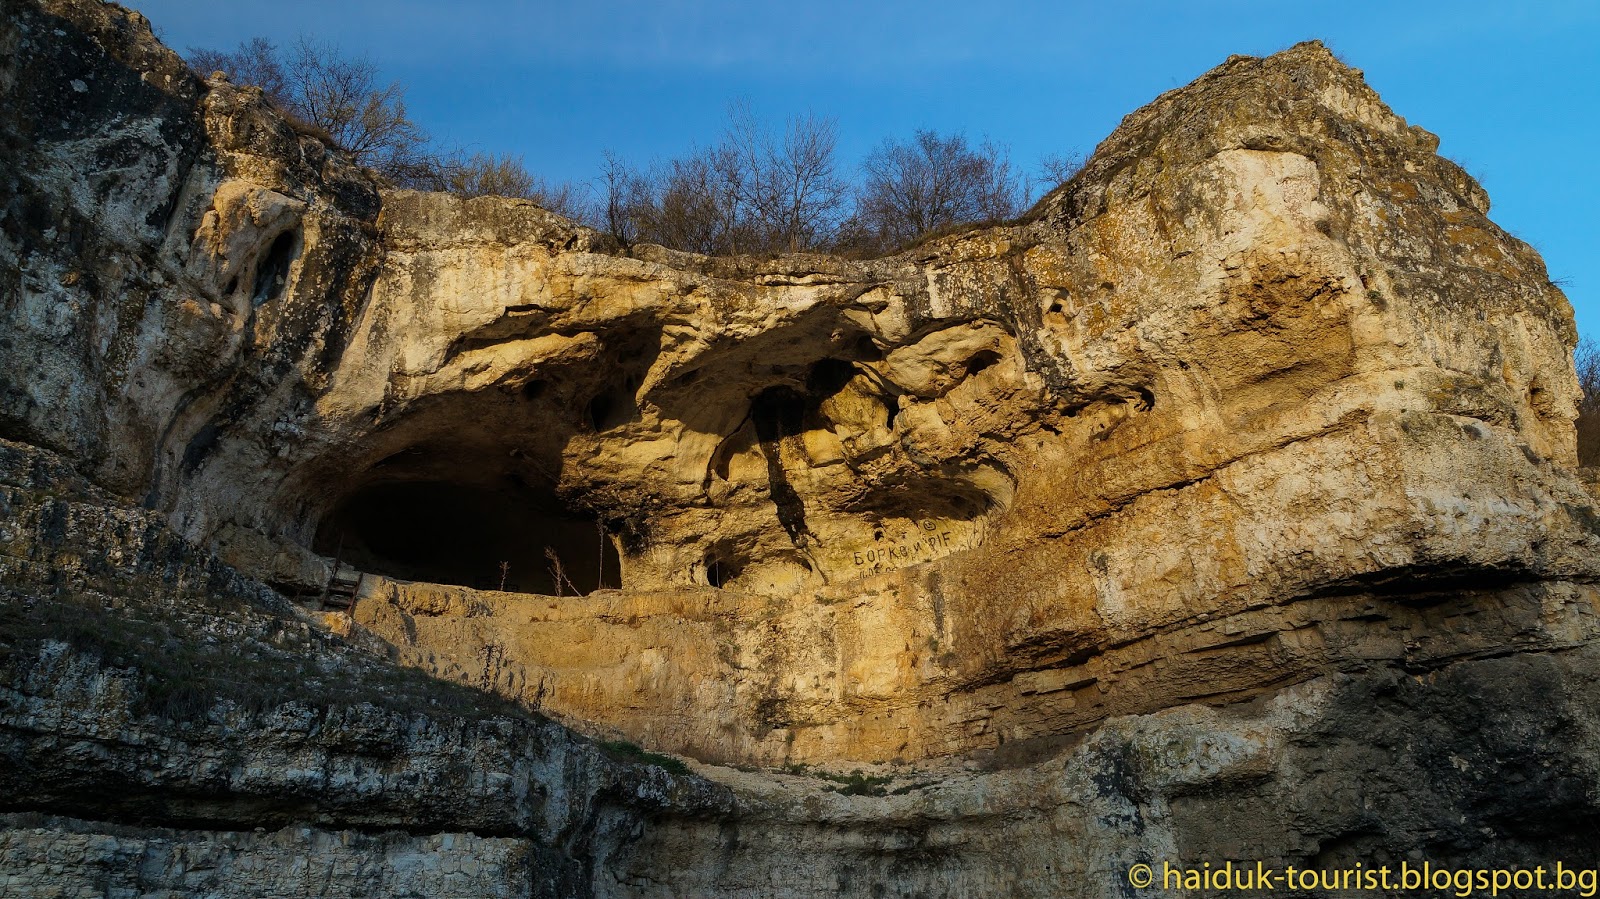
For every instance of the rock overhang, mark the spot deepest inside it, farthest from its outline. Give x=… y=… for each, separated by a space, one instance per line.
x=1264 y=351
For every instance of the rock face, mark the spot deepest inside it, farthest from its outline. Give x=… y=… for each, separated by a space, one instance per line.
x=1224 y=506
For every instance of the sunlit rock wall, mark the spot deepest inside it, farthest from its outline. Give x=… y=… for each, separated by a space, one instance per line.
x=1256 y=423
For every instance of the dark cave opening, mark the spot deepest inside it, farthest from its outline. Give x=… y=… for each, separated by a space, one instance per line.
x=447 y=533
x=827 y=378
x=601 y=408
x=274 y=270
x=982 y=360
x=720 y=572
x=778 y=412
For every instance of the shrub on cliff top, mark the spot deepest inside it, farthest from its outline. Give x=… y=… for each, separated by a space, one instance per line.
x=333 y=93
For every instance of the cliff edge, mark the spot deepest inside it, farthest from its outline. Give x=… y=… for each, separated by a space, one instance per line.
x=1224 y=506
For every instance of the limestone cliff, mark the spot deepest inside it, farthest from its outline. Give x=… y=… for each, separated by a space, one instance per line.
x=1223 y=506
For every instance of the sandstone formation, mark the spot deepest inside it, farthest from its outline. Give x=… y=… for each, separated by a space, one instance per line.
x=1224 y=506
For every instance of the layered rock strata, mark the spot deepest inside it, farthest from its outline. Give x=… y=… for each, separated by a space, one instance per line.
x=1171 y=502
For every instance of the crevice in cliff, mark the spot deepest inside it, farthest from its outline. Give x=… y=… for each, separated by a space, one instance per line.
x=1424 y=584
x=273 y=274
x=225 y=813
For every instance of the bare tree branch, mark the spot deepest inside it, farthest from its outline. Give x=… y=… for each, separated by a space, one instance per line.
x=1587 y=360
x=626 y=196
x=255 y=63
x=932 y=182
x=1056 y=169
x=335 y=94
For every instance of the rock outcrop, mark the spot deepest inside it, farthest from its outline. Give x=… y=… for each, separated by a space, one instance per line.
x=1224 y=506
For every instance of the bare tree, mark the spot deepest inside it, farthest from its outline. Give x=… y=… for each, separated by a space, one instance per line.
x=341 y=95
x=754 y=191
x=338 y=95
x=693 y=204
x=625 y=194
x=256 y=62
x=786 y=183
x=1056 y=169
x=1587 y=359
x=931 y=182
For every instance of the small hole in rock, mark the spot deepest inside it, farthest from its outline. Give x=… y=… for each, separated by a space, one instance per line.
x=981 y=361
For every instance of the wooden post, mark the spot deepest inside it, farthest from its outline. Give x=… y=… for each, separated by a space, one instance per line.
x=338 y=557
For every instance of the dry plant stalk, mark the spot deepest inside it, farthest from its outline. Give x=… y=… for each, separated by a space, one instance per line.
x=558 y=572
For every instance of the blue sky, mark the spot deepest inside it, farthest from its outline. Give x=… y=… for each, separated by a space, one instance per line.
x=1513 y=90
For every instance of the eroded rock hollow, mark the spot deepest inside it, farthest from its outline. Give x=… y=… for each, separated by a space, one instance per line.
x=1237 y=476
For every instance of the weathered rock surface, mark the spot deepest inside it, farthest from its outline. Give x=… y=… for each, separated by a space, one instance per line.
x=1224 y=506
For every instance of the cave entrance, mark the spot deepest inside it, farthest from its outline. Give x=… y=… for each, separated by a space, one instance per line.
x=447 y=533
